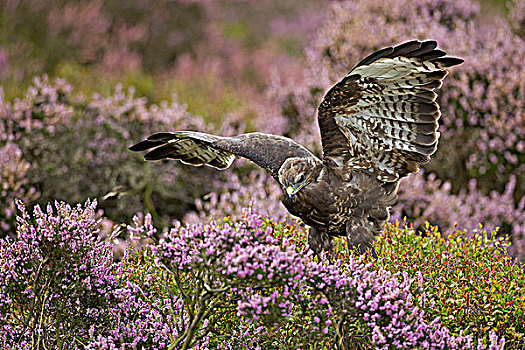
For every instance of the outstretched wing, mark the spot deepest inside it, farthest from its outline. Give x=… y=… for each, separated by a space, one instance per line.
x=383 y=114
x=195 y=148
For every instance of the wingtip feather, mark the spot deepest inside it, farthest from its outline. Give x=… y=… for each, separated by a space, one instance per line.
x=143 y=145
x=446 y=62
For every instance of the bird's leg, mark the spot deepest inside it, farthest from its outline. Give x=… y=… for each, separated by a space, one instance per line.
x=319 y=242
x=361 y=249
x=360 y=238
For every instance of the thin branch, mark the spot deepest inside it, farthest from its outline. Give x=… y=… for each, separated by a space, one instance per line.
x=187 y=300
x=37 y=276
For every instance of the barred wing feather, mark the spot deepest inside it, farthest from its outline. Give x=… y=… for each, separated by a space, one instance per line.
x=193 y=148
x=383 y=115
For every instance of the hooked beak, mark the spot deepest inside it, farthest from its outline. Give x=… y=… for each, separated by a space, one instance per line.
x=292 y=191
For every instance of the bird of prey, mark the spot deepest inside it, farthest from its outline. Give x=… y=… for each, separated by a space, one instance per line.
x=378 y=124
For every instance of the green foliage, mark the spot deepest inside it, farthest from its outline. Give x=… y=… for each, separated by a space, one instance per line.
x=88 y=80
x=468 y=281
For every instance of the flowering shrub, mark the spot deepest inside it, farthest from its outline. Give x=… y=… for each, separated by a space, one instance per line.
x=113 y=36
x=59 y=287
x=144 y=314
x=470 y=283
x=14 y=184
x=238 y=284
x=251 y=266
x=72 y=146
x=431 y=200
x=54 y=279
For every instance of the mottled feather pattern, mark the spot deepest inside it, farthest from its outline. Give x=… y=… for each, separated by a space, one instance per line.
x=369 y=215
x=386 y=108
x=378 y=124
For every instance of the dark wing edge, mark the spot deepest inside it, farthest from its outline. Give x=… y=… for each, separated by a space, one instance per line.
x=195 y=148
x=383 y=114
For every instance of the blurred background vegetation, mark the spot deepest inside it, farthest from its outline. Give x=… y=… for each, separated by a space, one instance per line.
x=151 y=45
x=145 y=44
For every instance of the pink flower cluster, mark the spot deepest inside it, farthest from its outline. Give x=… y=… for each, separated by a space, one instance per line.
x=272 y=280
x=244 y=277
x=58 y=269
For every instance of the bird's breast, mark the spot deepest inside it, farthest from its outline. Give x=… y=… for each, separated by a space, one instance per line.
x=321 y=206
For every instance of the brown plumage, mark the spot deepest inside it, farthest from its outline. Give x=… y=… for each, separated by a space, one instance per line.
x=378 y=124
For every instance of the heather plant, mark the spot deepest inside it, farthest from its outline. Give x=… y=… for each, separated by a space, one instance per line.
x=60 y=288
x=73 y=145
x=468 y=280
x=14 y=184
x=240 y=283
x=249 y=270
x=430 y=199
x=54 y=279
x=144 y=314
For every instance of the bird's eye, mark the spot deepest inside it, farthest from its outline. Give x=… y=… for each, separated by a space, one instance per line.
x=299 y=179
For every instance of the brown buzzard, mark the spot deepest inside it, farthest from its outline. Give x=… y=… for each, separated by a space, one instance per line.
x=378 y=124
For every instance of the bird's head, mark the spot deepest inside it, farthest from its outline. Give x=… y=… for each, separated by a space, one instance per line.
x=296 y=173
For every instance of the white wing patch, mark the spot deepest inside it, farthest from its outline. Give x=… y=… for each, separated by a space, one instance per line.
x=385 y=69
